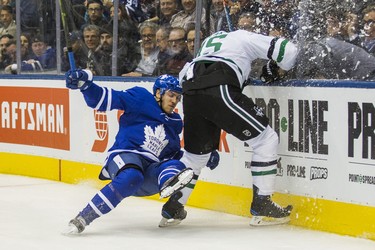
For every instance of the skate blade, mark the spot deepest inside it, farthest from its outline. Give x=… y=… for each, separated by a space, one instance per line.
x=268 y=221
x=184 y=178
x=71 y=230
x=169 y=222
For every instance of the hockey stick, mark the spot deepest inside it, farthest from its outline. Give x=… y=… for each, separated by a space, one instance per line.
x=227 y=15
x=66 y=33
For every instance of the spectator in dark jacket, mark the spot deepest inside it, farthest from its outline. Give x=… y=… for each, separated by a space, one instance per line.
x=95 y=12
x=42 y=58
x=331 y=58
x=179 y=54
x=127 y=58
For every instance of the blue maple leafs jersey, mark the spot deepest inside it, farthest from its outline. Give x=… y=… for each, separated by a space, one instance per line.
x=144 y=128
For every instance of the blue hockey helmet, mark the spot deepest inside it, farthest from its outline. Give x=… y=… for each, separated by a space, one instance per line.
x=167 y=82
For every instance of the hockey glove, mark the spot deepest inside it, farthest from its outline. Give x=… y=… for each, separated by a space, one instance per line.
x=270 y=72
x=213 y=162
x=78 y=79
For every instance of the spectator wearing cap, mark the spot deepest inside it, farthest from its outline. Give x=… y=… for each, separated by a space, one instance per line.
x=7 y=21
x=104 y=51
x=43 y=57
x=78 y=48
x=42 y=53
x=127 y=59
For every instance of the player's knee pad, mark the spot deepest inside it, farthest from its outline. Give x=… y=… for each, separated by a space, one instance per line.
x=128 y=181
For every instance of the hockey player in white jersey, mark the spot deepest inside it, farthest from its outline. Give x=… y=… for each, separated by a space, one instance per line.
x=144 y=157
x=212 y=85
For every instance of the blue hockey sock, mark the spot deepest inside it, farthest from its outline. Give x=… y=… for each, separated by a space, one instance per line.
x=168 y=170
x=125 y=184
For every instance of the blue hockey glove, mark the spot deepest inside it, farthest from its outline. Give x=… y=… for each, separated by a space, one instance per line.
x=214 y=160
x=78 y=79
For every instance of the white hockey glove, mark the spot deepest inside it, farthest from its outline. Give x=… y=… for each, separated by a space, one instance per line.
x=78 y=79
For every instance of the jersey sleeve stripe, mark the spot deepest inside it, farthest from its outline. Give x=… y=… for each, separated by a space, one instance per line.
x=109 y=99
x=272 y=47
x=101 y=98
x=280 y=57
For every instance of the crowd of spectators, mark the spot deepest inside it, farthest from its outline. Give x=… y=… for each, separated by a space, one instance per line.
x=336 y=41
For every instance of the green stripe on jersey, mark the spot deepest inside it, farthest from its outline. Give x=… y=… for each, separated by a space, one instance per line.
x=280 y=57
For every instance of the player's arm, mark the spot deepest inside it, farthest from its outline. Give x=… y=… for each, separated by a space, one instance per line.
x=281 y=54
x=285 y=54
x=96 y=97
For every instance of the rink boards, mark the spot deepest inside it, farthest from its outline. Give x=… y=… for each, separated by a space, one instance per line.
x=327 y=147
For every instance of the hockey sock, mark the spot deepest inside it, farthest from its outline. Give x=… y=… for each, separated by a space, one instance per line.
x=186 y=191
x=125 y=184
x=264 y=161
x=264 y=174
x=168 y=170
x=196 y=162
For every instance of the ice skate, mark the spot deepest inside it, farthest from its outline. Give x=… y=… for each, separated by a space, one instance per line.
x=266 y=212
x=75 y=226
x=176 y=183
x=173 y=212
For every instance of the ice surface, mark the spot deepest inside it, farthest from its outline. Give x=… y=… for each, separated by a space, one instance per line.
x=34 y=212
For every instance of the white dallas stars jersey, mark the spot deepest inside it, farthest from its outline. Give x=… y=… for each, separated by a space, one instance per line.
x=239 y=48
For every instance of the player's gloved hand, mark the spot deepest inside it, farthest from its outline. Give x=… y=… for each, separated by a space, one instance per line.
x=270 y=72
x=214 y=160
x=78 y=79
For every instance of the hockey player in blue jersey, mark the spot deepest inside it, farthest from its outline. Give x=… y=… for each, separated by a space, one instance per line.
x=144 y=157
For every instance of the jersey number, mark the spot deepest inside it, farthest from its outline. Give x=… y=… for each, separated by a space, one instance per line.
x=212 y=42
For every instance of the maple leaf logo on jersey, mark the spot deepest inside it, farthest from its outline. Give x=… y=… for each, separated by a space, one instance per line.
x=155 y=141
